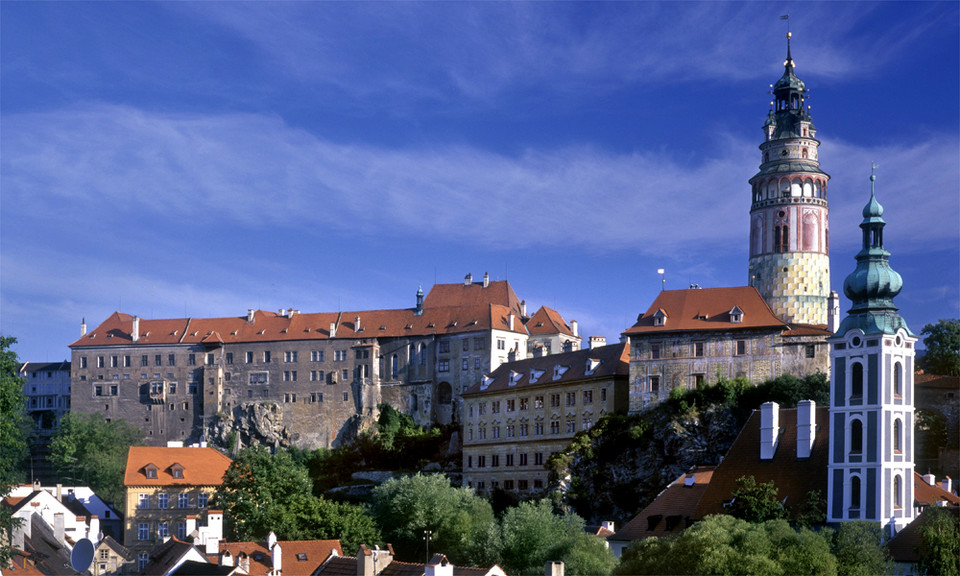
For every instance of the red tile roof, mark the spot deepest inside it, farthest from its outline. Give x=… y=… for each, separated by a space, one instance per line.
x=201 y=466
x=793 y=478
x=671 y=511
x=496 y=292
x=614 y=360
x=315 y=553
x=704 y=309
x=936 y=381
x=928 y=495
x=905 y=546
x=548 y=321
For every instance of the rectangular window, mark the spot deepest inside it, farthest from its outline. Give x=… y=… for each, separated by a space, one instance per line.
x=571 y=398
x=524 y=404
x=522 y=485
x=266 y=357
x=494 y=460
x=586 y=423
x=443 y=365
x=183 y=500
x=289 y=375
x=509 y=459
x=191 y=360
x=698 y=349
x=655 y=351
x=339 y=355
x=202 y=500
x=523 y=459
x=99 y=361
x=655 y=384
x=555 y=427
x=508 y=484
x=478 y=343
x=554 y=400
x=290 y=356
x=603 y=394
x=163 y=529
x=482 y=408
x=144 y=360
x=83 y=361
x=259 y=377
x=481 y=461
x=495 y=406
x=538 y=428
x=114 y=362
x=466 y=345
x=143 y=531
x=496 y=431
x=741 y=347
x=811 y=350
x=444 y=346
x=163 y=500
x=228 y=358
x=98 y=390
x=538 y=402
x=142 y=559
x=126 y=361
x=346 y=396
x=172 y=388
x=465 y=365
x=524 y=429
x=538 y=459
x=501 y=344
x=571 y=426
x=316 y=356
x=469 y=461
x=143 y=502
x=510 y=430
x=511 y=405
x=181 y=530
x=211 y=359
x=588 y=396
x=345 y=374
x=249 y=358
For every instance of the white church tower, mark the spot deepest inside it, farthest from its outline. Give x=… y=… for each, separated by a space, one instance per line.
x=871 y=392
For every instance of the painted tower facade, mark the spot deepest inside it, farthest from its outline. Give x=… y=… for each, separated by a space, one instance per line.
x=789 y=259
x=871 y=393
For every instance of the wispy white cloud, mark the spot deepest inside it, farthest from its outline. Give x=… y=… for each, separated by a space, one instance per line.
x=255 y=172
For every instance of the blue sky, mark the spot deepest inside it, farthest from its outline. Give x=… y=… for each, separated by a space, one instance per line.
x=199 y=159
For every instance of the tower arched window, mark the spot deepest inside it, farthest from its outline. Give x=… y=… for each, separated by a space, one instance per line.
x=856 y=383
x=897 y=491
x=854 y=492
x=804 y=153
x=897 y=436
x=856 y=437
x=897 y=379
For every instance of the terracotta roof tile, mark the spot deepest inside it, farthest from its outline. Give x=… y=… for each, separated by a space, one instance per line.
x=671 y=511
x=704 y=309
x=498 y=292
x=904 y=547
x=548 y=321
x=613 y=360
x=201 y=466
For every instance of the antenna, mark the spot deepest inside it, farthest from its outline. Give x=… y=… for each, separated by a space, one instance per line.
x=82 y=555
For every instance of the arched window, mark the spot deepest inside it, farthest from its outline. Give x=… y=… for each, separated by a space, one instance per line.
x=856 y=384
x=804 y=154
x=855 y=493
x=856 y=437
x=394 y=366
x=897 y=436
x=897 y=492
x=897 y=379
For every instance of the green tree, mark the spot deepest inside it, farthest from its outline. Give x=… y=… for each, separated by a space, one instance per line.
x=756 y=502
x=860 y=550
x=318 y=518
x=408 y=506
x=13 y=425
x=263 y=492
x=13 y=438
x=942 y=344
x=726 y=545
x=93 y=451
x=939 y=543
x=533 y=534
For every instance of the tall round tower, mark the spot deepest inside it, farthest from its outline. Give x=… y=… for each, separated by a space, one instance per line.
x=789 y=258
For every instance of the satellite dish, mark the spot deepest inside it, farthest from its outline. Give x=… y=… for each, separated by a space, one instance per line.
x=82 y=556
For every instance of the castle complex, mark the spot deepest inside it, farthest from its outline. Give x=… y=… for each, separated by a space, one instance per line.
x=779 y=322
x=308 y=379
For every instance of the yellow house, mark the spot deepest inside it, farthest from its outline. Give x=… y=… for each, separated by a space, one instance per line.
x=167 y=490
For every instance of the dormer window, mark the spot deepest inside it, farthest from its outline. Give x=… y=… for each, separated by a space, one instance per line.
x=659 y=318
x=592 y=364
x=177 y=471
x=514 y=377
x=559 y=371
x=736 y=315
x=151 y=471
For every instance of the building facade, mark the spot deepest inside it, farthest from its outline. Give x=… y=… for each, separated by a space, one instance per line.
x=689 y=338
x=169 y=491
x=525 y=411
x=871 y=466
x=789 y=249
x=292 y=378
x=46 y=392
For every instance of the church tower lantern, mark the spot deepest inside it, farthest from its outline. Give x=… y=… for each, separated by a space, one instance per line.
x=871 y=393
x=789 y=258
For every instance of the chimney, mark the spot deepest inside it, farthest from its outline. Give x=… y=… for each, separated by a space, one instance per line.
x=93 y=529
x=608 y=524
x=438 y=566
x=215 y=524
x=833 y=312
x=523 y=308
x=553 y=568
x=58 y=527
x=597 y=342
x=191 y=522
x=930 y=479
x=372 y=562
x=83 y=326
x=356 y=324
x=947 y=484
x=769 y=429
x=486 y=279
x=806 y=427
x=468 y=280
x=575 y=327
x=276 y=555
x=226 y=559
x=249 y=314
x=135 y=331
x=510 y=318
x=58 y=494
x=333 y=329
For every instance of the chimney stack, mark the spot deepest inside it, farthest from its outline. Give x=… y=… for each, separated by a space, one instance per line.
x=833 y=312
x=598 y=342
x=356 y=324
x=510 y=318
x=553 y=568
x=226 y=559
x=523 y=309
x=333 y=329
x=83 y=326
x=769 y=429
x=947 y=484
x=486 y=279
x=135 y=332
x=930 y=479
x=468 y=280
x=93 y=530
x=58 y=527
x=575 y=327
x=806 y=427
x=249 y=314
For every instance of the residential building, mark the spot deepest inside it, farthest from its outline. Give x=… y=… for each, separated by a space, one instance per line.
x=692 y=337
x=169 y=491
x=308 y=379
x=46 y=392
x=871 y=392
x=377 y=562
x=526 y=410
x=550 y=334
x=275 y=557
x=81 y=502
x=166 y=558
x=110 y=558
x=670 y=513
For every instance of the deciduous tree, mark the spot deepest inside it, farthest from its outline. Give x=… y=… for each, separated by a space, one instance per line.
x=942 y=344
x=940 y=543
x=90 y=450
x=13 y=442
x=756 y=502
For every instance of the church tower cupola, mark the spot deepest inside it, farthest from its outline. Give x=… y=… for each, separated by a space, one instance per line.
x=789 y=256
x=871 y=459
